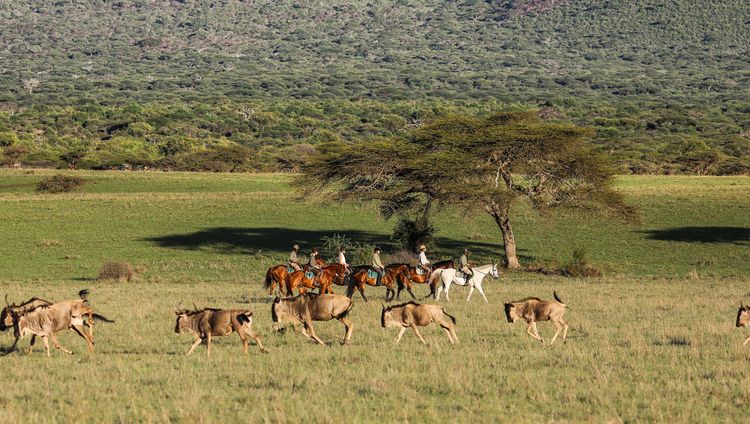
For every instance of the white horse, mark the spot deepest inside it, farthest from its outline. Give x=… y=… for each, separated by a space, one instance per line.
x=448 y=277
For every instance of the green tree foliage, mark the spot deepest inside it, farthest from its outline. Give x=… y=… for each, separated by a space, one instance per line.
x=182 y=76
x=478 y=163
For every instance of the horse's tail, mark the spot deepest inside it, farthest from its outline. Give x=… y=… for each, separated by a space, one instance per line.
x=449 y=316
x=269 y=278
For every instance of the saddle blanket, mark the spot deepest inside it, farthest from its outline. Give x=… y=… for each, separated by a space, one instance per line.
x=371 y=273
x=309 y=275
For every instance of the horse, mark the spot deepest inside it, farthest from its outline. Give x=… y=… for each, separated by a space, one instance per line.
x=408 y=274
x=361 y=277
x=277 y=275
x=328 y=275
x=448 y=277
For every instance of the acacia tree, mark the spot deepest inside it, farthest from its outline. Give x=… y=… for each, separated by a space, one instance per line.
x=477 y=163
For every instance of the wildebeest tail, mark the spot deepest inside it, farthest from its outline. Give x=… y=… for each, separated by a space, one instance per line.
x=103 y=318
x=557 y=298
x=83 y=294
x=244 y=317
x=346 y=312
x=449 y=316
x=269 y=278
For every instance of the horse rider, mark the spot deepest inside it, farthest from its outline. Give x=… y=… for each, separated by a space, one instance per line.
x=314 y=268
x=342 y=259
x=293 y=260
x=377 y=265
x=463 y=265
x=423 y=262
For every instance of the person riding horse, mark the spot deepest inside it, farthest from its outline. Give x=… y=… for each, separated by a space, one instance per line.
x=377 y=265
x=463 y=264
x=342 y=260
x=314 y=268
x=424 y=264
x=293 y=260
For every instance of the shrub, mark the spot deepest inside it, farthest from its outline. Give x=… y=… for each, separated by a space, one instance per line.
x=410 y=233
x=580 y=266
x=356 y=253
x=59 y=184
x=402 y=256
x=116 y=271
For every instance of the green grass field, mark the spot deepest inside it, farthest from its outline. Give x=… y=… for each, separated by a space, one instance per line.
x=652 y=340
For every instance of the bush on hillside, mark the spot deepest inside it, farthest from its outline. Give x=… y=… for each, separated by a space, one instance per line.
x=116 y=271
x=580 y=266
x=59 y=184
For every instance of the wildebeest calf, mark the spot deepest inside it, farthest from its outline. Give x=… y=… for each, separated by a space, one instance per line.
x=413 y=315
x=533 y=309
x=306 y=308
x=743 y=319
x=209 y=322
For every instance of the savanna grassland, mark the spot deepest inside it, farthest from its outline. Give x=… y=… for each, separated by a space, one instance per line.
x=651 y=340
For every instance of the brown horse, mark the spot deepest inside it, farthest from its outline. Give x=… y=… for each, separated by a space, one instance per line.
x=276 y=276
x=359 y=279
x=408 y=274
x=328 y=275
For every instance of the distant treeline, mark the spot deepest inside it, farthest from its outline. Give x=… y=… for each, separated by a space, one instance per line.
x=101 y=84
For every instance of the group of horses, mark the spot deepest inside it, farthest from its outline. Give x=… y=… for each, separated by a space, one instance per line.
x=395 y=279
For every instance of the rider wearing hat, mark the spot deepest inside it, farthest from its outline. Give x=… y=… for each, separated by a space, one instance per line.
x=342 y=259
x=377 y=265
x=293 y=260
x=314 y=268
x=463 y=264
x=423 y=262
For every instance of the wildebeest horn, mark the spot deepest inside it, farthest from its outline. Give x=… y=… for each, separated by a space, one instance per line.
x=7 y=303
x=195 y=307
x=177 y=308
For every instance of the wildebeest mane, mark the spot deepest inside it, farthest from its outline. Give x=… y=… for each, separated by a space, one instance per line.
x=411 y=302
x=526 y=299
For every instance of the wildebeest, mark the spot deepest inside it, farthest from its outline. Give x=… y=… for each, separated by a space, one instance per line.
x=306 y=308
x=743 y=319
x=210 y=322
x=6 y=319
x=533 y=309
x=413 y=315
x=46 y=320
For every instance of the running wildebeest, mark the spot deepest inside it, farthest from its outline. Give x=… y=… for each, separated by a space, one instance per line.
x=743 y=319
x=306 y=308
x=411 y=315
x=46 y=320
x=210 y=322
x=533 y=309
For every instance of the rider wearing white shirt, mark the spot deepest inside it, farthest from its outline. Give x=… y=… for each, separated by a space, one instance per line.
x=342 y=258
x=423 y=262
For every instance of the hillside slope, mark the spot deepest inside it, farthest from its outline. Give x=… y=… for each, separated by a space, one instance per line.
x=659 y=80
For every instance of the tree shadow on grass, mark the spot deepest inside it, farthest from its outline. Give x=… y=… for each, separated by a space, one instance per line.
x=250 y=240
x=731 y=235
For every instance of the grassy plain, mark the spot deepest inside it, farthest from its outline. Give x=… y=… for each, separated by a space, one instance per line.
x=652 y=340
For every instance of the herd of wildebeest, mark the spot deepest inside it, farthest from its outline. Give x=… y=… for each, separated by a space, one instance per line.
x=38 y=317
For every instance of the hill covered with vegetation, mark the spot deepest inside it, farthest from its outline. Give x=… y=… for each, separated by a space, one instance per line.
x=190 y=85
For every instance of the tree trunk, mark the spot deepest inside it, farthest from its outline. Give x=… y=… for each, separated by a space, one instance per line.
x=501 y=216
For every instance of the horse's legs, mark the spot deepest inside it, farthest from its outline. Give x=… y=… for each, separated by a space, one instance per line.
x=349 y=326
x=414 y=327
x=439 y=290
x=447 y=287
x=198 y=341
x=408 y=288
x=361 y=288
x=400 y=334
x=481 y=291
x=471 y=290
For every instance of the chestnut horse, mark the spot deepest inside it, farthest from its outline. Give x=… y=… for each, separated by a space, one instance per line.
x=408 y=274
x=327 y=276
x=277 y=275
x=359 y=279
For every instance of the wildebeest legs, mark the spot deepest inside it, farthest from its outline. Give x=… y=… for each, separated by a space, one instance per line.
x=57 y=344
x=311 y=335
x=535 y=333
x=559 y=325
x=400 y=334
x=89 y=341
x=414 y=327
x=450 y=331
x=244 y=337
x=349 y=327
x=198 y=341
